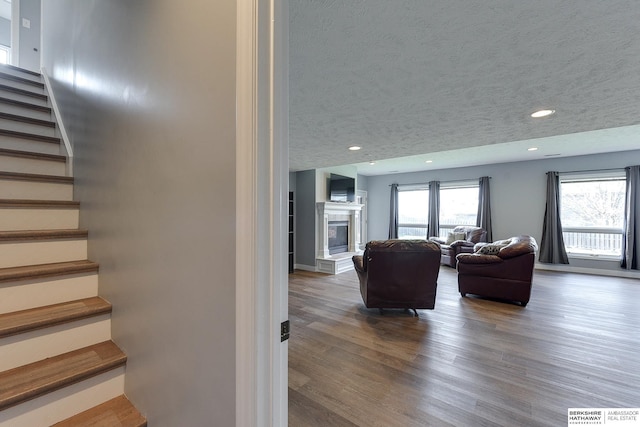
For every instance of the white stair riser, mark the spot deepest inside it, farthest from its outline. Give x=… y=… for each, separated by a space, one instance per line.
x=26 y=112
x=29 y=347
x=29 y=165
x=23 y=98
x=21 y=85
x=18 y=126
x=21 y=254
x=26 y=294
x=22 y=144
x=14 y=219
x=22 y=74
x=66 y=402
x=31 y=190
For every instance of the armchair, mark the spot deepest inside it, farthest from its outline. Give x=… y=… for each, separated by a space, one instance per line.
x=503 y=269
x=461 y=240
x=399 y=274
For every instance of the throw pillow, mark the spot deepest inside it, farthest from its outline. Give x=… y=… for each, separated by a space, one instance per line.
x=452 y=237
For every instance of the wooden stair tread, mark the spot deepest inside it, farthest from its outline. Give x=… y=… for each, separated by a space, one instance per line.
x=35 y=379
x=24 y=119
x=23 y=92
x=47 y=270
x=30 y=136
x=117 y=412
x=22 y=321
x=22 y=80
x=17 y=176
x=23 y=104
x=27 y=235
x=38 y=204
x=32 y=155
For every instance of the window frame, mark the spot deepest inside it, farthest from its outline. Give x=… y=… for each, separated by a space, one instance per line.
x=445 y=229
x=425 y=226
x=610 y=175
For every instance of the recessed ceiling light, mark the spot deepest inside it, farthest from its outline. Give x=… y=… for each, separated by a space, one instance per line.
x=542 y=113
x=354 y=148
x=429 y=161
x=532 y=149
x=372 y=163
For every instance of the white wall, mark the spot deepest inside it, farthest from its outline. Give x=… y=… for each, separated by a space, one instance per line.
x=29 y=55
x=517 y=193
x=147 y=90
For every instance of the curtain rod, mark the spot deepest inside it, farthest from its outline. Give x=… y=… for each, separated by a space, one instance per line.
x=445 y=182
x=595 y=170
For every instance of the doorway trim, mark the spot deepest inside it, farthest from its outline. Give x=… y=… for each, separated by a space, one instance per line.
x=261 y=212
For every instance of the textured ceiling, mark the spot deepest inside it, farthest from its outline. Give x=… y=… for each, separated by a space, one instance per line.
x=416 y=77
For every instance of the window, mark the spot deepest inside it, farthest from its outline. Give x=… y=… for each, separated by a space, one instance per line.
x=4 y=54
x=458 y=206
x=592 y=214
x=413 y=213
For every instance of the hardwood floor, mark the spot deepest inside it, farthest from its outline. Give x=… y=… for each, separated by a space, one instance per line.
x=468 y=362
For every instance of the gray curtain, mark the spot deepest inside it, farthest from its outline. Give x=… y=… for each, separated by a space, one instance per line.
x=393 y=213
x=484 y=207
x=434 y=209
x=631 y=236
x=552 y=246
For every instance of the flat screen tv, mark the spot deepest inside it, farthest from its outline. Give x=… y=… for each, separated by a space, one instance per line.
x=342 y=188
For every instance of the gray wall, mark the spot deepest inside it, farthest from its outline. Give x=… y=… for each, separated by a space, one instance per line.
x=362 y=182
x=147 y=89
x=306 y=218
x=517 y=193
x=5 y=32
x=30 y=37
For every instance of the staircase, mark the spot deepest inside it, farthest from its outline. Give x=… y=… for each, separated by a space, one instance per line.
x=58 y=365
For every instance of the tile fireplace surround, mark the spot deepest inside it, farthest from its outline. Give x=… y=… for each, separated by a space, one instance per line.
x=333 y=211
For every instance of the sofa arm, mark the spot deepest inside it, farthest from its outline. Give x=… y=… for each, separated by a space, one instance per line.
x=519 y=245
x=358 y=263
x=437 y=240
x=478 y=259
x=462 y=243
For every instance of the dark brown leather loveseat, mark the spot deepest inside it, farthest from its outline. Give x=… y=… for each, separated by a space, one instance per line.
x=502 y=269
x=462 y=239
x=399 y=274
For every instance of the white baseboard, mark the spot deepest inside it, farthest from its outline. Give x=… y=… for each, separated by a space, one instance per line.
x=305 y=267
x=631 y=274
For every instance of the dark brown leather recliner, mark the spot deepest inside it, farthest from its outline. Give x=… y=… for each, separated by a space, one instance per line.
x=503 y=269
x=399 y=274
x=469 y=236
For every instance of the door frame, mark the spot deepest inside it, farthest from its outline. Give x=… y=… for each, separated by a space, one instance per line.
x=15 y=33
x=362 y=198
x=261 y=212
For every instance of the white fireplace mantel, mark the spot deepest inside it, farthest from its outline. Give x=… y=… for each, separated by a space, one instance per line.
x=334 y=211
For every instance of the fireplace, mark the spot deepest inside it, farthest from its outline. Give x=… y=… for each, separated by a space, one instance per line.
x=338 y=236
